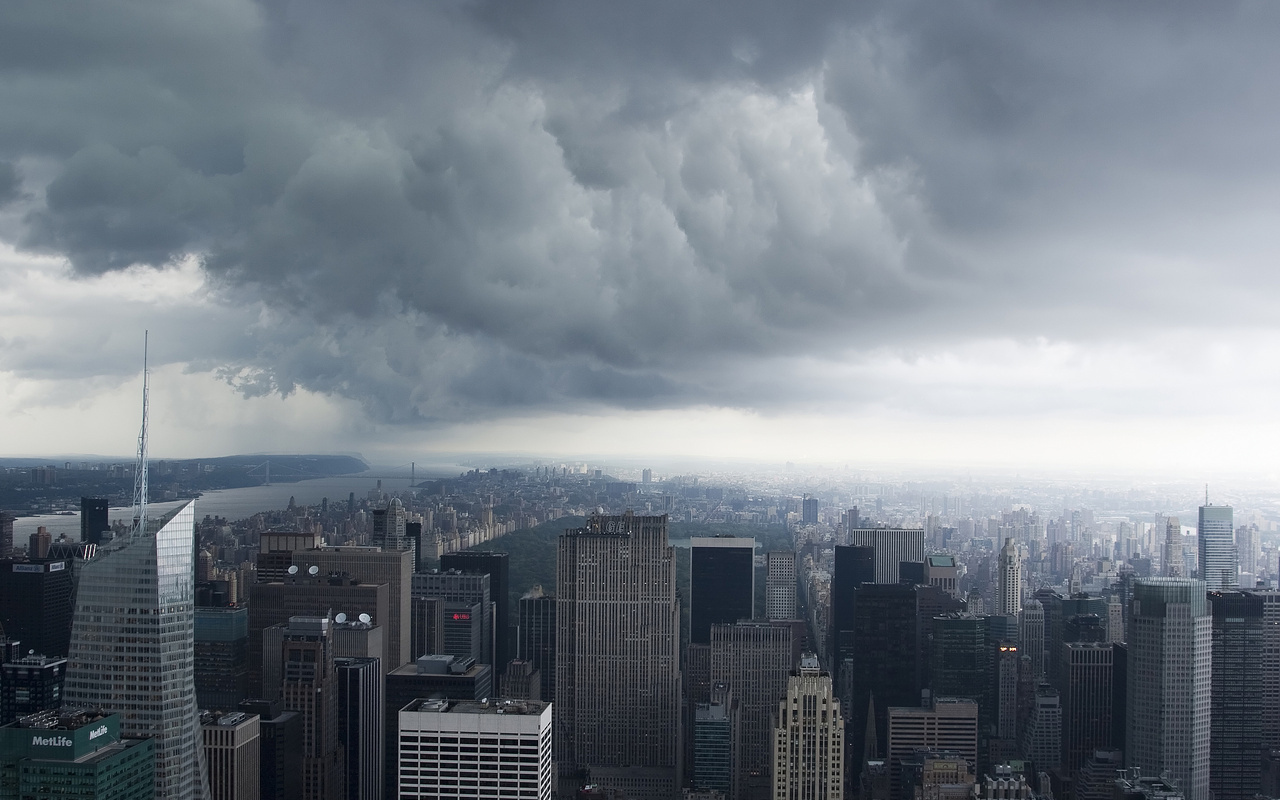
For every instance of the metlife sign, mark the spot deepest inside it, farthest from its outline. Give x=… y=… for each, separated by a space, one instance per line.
x=51 y=741
x=59 y=744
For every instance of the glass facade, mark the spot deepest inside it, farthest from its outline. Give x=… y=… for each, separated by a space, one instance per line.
x=133 y=647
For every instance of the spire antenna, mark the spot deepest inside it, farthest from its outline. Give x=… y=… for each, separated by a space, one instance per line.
x=1206 y=494
x=140 y=470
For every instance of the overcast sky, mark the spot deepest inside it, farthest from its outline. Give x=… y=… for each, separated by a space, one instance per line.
x=955 y=233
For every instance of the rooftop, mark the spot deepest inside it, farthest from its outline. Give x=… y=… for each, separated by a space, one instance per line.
x=490 y=705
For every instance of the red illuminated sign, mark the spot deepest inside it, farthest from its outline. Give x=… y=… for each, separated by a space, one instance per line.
x=462 y=616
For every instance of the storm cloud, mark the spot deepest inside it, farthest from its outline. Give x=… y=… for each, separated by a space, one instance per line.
x=447 y=211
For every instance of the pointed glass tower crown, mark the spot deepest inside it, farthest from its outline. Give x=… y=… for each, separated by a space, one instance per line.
x=133 y=647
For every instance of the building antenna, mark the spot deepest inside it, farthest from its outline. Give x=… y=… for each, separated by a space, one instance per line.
x=140 y=471
x=1206 y=494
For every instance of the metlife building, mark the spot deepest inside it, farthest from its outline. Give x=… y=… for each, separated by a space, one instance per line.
x=74 y=755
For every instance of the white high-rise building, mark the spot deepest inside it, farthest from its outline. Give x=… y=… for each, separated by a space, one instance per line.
x=808 y=738
x=464 y=749
x=1219 y=568
x=892 y=546
x=1170 y=661
x=780 y=585
x=1009 y=586
x=133 y=646
x=1171 y=559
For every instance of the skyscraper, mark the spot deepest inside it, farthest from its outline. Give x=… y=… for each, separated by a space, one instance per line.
x=1235 y=731
x=809 y=511
x=1009 y=581
x=133 y=646
x=1031 y=635
x=233 y=751
x=780 y=585
x=467 y=608
x=1086 y=701
x=497 y=567
x=537 y=640
x=808 y=738
x=93 y=519
x=880 y=665
x=753 y=660
x=361 y=725
x=722 y=583
x=1170 y=636
x=1171 y=557
x=892 y=547
x=1215 y=537
x=950 y=725
x=617 y=655
x=310 y=686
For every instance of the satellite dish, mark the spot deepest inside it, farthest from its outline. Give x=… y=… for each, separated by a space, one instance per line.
x=313 y=570
x=341 y=618
x=293 y=569
x=366 y=619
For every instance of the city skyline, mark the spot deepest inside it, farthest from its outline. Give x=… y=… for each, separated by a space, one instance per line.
x=906 y=234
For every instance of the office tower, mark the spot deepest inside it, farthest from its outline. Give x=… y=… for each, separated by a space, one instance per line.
x=413 y=532
x=499 y=748
x=521 y=681
x=75 y=755
x=138 y=595
x=892 y=546
x=1086 y=701
x=1170 y=636
x=780 y=585
x=960 y=656
x=93 y=519
x=309 y=685
x=931 y=602
x=442 y=676
x=497 y=567
x=1004 y=694
x=221 y=657
x=617 y=655
x=940 y=570
x=537 y=637
x=1235 y=728
x=466 y=611
x=1042 y=739
x=1009 y=580
x=852 y=567
x=949 y=725
x=1171 y=556
x=1031 y=635
x=1247 y=549
x=1270 y=684
x=389 y=531
x=280 y=759
x=426 y=626
x=1096 y=779
x=715 y=742
x=646 y=476
x=307 y=594
x=36 y=604
x=6 y=534
x=361 y=725
x=1215 y=538
x=850 y=519
x=754 y=661
x=29 y=685
x=368 y=565
x=39 y=542
x=722 y=583
x=233 y=753
x=808 y=738
x=880 y=664
x=809 y=511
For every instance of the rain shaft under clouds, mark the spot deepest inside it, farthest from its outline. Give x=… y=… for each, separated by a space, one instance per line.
x=452 y=210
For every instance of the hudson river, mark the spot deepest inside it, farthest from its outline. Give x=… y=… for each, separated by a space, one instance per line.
x=237 y=504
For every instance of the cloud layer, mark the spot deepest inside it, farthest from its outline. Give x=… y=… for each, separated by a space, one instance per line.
x=465 y=210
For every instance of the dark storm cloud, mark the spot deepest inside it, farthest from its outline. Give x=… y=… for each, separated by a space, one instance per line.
x=452 y=209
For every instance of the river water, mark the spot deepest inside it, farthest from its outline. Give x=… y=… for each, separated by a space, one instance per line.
x=235 y=504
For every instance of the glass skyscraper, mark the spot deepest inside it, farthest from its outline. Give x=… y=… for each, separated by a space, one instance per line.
x=1215 y=536
x=133 y=647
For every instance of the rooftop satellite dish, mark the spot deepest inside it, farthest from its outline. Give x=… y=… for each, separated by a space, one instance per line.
x=313 y=570
x=366 y=619
x=293 y=569
x=341 y=618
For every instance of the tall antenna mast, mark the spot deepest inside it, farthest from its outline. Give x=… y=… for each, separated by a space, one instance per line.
x=140 y=471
